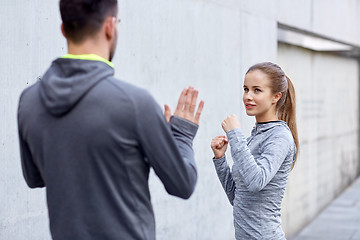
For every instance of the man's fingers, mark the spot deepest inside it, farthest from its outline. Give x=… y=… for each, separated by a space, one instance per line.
x=193 y=101
x=181 y=101
x=198 y=112
x=188 y=99
x=187 y=104
x=167 y=112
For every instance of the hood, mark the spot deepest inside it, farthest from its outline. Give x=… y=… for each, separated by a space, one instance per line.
x=263 y=127
x=68 y=80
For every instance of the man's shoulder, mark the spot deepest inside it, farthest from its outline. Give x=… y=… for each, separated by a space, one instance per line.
x=125 y=86
x=29 y=91
x=135 y=93
x=29 y=98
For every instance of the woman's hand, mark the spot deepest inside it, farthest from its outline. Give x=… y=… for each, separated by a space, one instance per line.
x=219 y=145
x=230 y=123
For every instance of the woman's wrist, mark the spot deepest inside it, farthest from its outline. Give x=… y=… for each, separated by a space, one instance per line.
x=218 y=156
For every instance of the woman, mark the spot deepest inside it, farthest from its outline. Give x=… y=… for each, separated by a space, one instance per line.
x=262 y=162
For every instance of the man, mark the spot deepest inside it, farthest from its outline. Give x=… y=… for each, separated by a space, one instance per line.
x=91 y=139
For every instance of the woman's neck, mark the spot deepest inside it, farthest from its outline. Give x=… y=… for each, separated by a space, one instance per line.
x=267 y=118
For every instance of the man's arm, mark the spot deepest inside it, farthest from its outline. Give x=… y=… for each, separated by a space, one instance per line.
x=168 y=147
x=30 y=171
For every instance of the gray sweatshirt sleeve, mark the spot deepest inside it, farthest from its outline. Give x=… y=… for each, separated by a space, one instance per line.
x=184 y=132
x=225 y=177
x=30 y=170
x=257 y=173
x=31 y=173
x=167 y=147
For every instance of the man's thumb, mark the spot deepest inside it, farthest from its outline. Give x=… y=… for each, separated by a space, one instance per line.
x=167 y=112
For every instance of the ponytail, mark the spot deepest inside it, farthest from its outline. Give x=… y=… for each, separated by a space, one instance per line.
x=287 y=113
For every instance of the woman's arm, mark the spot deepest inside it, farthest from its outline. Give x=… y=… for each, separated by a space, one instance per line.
x=225 y=177
x=219 y=146
x=256 y=174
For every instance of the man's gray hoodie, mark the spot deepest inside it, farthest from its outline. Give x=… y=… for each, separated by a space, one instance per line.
x=91 y=140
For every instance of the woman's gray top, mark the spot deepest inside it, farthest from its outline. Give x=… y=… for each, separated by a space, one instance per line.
x=256 y=184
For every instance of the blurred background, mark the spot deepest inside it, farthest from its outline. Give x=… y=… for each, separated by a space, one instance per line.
x=166 y=45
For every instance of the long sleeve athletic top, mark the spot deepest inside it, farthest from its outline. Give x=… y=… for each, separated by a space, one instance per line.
x=255 y=186
x=91 y=140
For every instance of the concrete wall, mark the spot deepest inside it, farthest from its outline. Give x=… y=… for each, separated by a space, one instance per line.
x=327 y=96
x=29 y=40
x=167 y=45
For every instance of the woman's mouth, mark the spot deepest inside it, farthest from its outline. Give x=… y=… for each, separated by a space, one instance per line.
x=249 y=106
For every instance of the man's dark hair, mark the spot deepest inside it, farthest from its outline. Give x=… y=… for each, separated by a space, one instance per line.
x=83 y=18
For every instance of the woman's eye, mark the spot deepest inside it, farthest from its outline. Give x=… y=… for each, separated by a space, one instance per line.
x=257 y=90
x=246 y=89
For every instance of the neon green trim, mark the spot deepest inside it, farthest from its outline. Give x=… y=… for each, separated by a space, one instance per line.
x=92 y=57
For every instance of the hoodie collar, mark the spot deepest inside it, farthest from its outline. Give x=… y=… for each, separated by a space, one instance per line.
x=264 y=126
x=68 y=80
x=93 y=57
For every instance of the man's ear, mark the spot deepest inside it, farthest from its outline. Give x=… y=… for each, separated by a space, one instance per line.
x=62 y=30
x=277 y=97
x=110 y=27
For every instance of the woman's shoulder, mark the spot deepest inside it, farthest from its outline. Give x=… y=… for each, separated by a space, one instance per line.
x=279 y=132
x=277 y=139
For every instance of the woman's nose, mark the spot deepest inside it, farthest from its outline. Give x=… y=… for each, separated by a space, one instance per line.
x=248 y=96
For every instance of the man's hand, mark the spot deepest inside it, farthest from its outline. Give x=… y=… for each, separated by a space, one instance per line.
x=230 y=123
x=219 y=145
x=186 y=106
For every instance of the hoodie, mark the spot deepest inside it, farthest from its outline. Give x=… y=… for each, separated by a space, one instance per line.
x=91 y=140
x=256 y=185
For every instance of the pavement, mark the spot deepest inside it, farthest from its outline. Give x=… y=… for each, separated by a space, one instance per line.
x=339 y=221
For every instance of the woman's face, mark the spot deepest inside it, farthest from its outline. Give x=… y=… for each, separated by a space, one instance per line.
x=258 y=98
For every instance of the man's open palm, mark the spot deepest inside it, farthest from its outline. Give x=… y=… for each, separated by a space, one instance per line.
x=186 y=106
